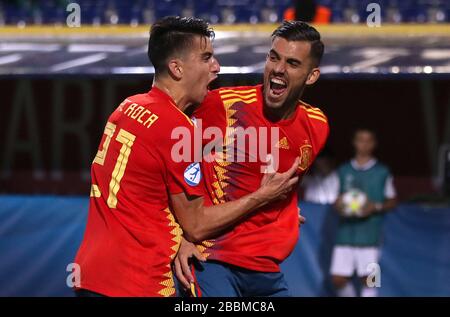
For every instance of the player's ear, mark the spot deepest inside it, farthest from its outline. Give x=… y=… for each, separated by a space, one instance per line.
x=176 y=68
x=313 y=76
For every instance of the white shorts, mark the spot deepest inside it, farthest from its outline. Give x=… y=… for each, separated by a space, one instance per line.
x=346 y=260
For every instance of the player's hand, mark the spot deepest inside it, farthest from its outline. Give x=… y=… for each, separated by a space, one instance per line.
x=278 y=185
x=182 y=270
x=339 y=207
x=302 y=220
x=368 y=209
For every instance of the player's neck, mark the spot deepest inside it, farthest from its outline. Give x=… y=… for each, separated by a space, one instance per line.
x=362 y=159
x=175 y=92
x=277 y=114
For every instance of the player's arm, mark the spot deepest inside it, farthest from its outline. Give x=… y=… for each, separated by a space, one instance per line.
x=372 y=208
x=385 y=206
x=201 y=223
x=388 y=204
x=339 y=205
x=390 y=195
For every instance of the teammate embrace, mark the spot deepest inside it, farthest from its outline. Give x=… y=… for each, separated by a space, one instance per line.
x=244 y=221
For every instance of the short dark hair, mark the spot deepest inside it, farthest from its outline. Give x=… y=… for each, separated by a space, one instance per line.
x=301 y=31
x=365 y=129
x=173 y=35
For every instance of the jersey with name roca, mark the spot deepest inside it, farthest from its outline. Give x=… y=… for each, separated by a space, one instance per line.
x=131 y=235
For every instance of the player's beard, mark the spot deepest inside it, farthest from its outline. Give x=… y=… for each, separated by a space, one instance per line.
x=288 y=106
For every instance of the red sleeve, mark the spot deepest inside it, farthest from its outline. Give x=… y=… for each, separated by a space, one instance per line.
x=183 y=168
x=320 y=130
x=185 y=177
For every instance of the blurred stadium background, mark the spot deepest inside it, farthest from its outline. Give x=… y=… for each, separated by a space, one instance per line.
x=59 y=84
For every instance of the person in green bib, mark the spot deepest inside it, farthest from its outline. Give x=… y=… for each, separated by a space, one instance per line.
x=366 y=193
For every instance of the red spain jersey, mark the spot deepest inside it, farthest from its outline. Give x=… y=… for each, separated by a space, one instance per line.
x=131 y=235
x=267 y=236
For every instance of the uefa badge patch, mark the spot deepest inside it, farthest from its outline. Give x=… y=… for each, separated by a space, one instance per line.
x=193 y=174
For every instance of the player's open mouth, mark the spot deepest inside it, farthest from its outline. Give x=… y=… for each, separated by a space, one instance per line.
x=208 y=86
x=277 y=87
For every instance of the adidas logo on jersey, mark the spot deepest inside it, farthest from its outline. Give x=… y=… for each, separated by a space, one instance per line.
x=283 y=144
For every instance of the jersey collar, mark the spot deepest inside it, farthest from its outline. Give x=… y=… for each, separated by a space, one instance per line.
x=371 y=163
x=155 y=91
x=161 y=94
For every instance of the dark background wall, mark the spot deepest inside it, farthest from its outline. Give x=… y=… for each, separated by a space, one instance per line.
x=50 y=127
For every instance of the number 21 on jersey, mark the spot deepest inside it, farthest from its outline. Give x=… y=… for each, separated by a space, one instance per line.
x=126 y=139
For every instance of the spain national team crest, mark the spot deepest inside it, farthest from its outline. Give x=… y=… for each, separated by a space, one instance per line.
x=305 y=156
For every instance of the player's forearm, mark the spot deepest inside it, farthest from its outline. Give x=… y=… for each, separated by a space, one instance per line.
x=207 y=222
x=389 y=204
x=213 y=220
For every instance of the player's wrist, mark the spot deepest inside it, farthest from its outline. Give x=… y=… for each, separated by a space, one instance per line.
x=257 y=199
x=378 y=207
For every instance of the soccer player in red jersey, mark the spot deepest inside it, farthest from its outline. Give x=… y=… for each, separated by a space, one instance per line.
x=244 y=260
x=141 y=189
